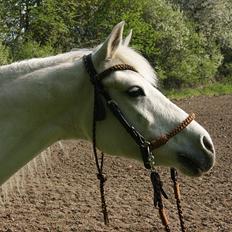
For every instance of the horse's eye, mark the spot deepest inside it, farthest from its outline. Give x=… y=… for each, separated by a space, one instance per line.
x=135 y=91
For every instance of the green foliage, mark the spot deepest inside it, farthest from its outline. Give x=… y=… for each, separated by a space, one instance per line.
x=214 y=20
x=32 y=49
x=110 y=13
x=215 y=89
x=184 y=57
x=4 y=54
x=181 y=56
x=51 y=23
x=185 y=48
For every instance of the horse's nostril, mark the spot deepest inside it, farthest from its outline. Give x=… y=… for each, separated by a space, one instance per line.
x=207 y=144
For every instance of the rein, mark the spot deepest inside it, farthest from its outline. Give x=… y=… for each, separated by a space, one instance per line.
x=99 y=114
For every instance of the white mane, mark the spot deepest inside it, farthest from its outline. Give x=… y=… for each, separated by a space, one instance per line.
x=128 y=56
x=26 y=66
x=124 y=54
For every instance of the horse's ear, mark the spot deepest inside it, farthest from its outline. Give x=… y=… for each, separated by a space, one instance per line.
x=112 y=43
x=127 y=40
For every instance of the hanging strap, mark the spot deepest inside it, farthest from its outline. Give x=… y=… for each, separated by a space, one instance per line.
x=102 y=178
x=158 y=202
x=176 y=188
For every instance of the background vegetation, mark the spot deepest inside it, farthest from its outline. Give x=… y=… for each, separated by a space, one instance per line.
x=189 y=42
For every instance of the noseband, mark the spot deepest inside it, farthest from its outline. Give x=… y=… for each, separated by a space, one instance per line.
x=145 y=146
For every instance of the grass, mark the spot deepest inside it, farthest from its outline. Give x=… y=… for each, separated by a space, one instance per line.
x=215 y=89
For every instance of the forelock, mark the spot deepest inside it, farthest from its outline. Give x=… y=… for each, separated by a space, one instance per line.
x=129 y=56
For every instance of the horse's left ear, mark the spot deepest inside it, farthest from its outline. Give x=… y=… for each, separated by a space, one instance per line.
x=127 y=40
x=112 y=43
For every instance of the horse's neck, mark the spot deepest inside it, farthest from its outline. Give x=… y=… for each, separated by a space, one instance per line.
x=38 y=109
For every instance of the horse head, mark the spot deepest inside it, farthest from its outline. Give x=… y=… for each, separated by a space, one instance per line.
x=148 y=110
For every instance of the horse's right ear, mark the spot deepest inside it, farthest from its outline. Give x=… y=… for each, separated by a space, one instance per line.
x=112 y=43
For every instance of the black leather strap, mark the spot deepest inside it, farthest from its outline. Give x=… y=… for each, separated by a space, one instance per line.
x=89 y=66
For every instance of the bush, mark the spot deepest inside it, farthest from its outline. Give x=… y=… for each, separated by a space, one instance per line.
x=213 y=19
x=32 y=49
x=4 y=54
x=184 y=57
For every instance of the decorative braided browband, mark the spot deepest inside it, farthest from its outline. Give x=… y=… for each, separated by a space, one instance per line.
x=117 y=67
x=163 y=139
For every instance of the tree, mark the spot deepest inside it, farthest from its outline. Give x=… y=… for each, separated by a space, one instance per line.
x=15 y=19
x=214 y=20
x=185 y=56
x=59 y=24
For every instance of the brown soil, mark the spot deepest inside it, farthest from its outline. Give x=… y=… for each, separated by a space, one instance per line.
x=67 y=198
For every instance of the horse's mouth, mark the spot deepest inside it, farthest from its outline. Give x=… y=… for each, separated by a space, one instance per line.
x=189 y=166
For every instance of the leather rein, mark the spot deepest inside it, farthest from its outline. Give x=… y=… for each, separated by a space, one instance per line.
x=145 y=146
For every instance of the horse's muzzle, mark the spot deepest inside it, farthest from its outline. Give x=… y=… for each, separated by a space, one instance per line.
x=196 y=165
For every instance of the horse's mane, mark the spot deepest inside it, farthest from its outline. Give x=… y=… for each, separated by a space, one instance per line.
x=124 y=54
x=129 y=56
x=26 y=66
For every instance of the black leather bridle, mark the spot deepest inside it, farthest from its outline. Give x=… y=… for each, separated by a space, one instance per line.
x=96 y=80
x=145 y=146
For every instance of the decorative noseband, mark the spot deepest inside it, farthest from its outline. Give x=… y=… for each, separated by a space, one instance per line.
x=163 y=139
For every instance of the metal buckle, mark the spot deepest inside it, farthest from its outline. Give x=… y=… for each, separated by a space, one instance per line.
x=148 y=157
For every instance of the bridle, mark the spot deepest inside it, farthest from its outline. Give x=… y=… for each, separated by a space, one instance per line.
x=99 y=113
x=145 y=146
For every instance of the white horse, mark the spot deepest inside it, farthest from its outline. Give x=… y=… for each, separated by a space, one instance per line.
x=49 y=99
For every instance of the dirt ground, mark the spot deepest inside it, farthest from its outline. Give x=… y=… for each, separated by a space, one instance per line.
x=64 y=196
